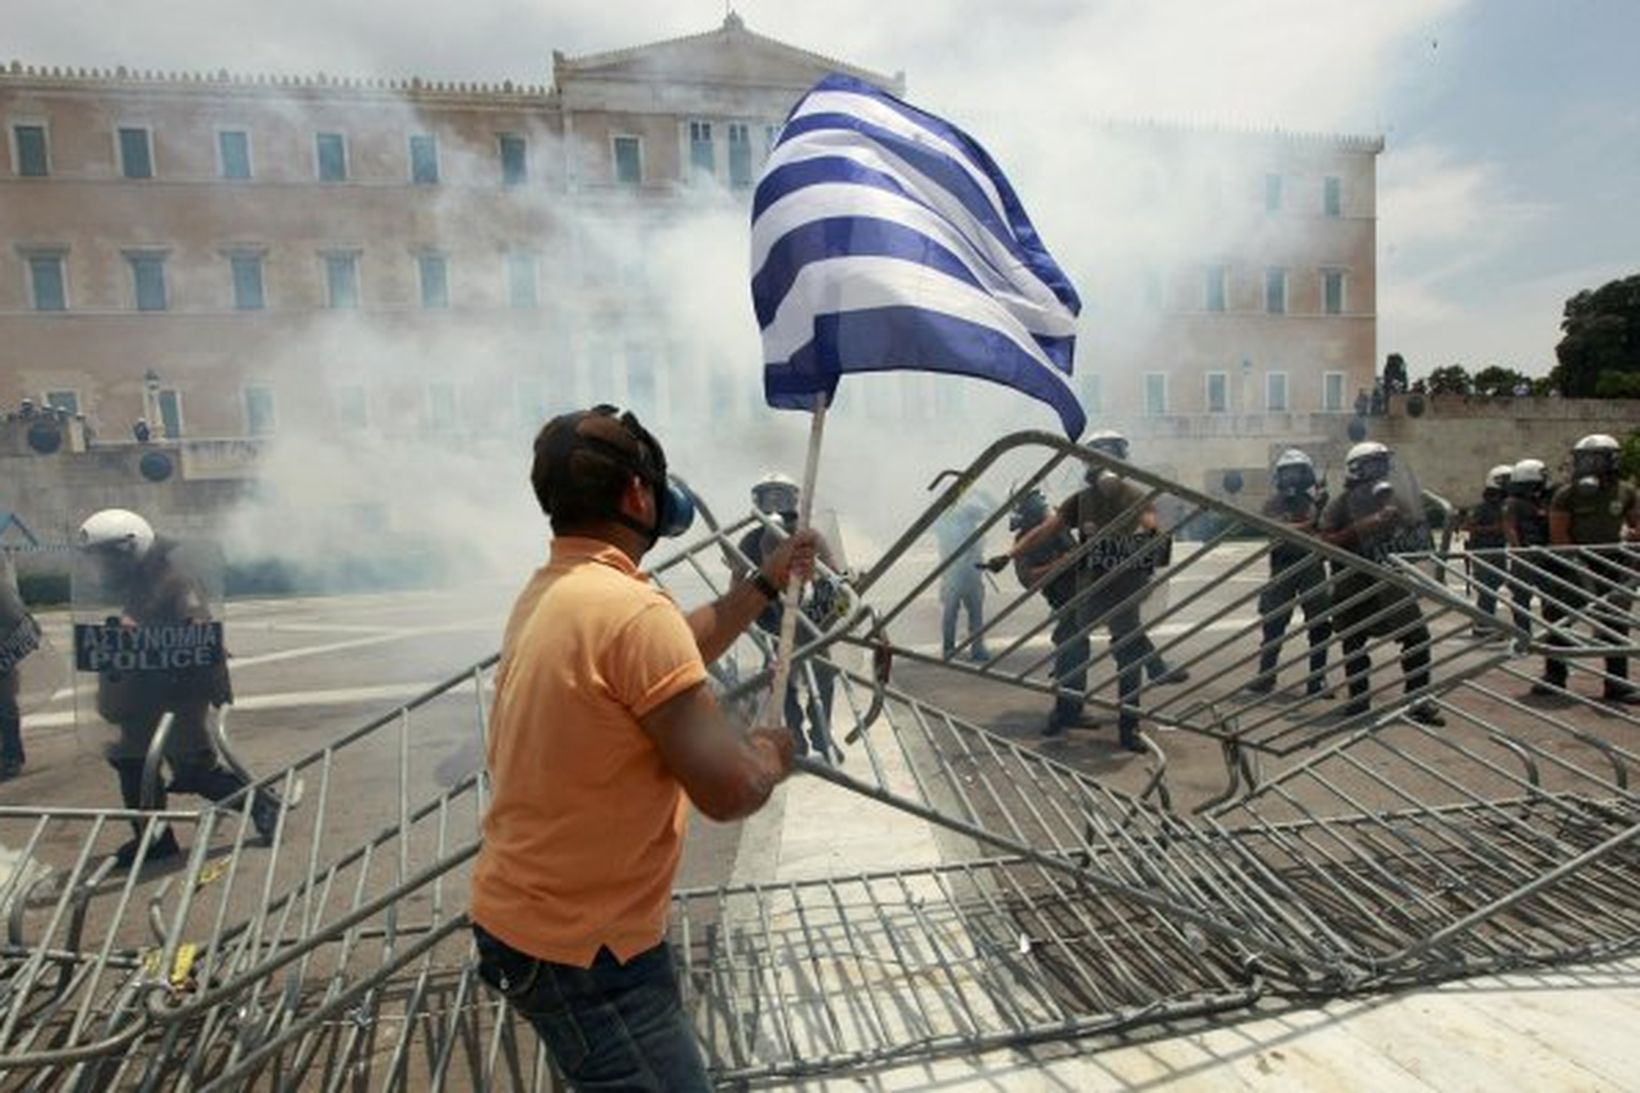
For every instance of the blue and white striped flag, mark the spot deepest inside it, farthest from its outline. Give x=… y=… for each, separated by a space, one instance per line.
x=884 y=238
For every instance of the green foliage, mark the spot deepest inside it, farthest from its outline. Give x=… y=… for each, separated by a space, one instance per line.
x=1450 y=380
x=43 y=589
x=1629 y=459
x=1498 y=380
x=1601 y=331
x=1617 y=385
x=1395 y=372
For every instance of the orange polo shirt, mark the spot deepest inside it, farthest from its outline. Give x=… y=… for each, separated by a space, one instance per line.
x=585 y=825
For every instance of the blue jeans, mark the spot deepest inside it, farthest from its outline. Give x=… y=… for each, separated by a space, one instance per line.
x=968 y=597
x=610 y=1026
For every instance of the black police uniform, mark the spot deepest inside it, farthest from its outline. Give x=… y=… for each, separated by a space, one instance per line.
x=1297 y=579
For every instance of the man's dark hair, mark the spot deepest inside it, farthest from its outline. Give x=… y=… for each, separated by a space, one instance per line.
x=578 y=472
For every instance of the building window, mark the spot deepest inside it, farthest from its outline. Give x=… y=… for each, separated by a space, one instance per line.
x=233 y=153
x=136 y=153
x=1218 y=392
x=1213 y=287
x=247 y=281
x=424 y=159
x=331 y=150
x=259 y=411
x=29 y=156
x=148 y=280
x=434 y=271
x=628 y=153
x=1332 y=291
x=67 y=401
x=342 y=279
x=522 y=279
x=702 y=157
x=1275 y=392
x=1332 y=196
x=1275 y=291
x=48 y=287
x=740 y=155
x=1155 y=393
x=515 y=169
x=350 y=406
x=170 y=412
x=1332 y=392
x=1272 y=193
x=441 y=406
x=771 y=137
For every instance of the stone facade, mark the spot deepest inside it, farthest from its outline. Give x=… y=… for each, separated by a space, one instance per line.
x=407 y=257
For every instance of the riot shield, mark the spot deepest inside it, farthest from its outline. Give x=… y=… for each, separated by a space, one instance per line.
x=31 y=673
x=148 y=640
x=1409 y=532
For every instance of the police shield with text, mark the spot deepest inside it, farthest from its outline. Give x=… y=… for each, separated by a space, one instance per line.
x=1379 y=514
x=1117 y=529
x=1298 y=579
x=145 y=626
x=19 y=638
x=1595 y=509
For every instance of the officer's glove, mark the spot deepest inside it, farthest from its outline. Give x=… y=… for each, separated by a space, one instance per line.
x=996 y=564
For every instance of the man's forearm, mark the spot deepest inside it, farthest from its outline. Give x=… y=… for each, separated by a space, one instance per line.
x=716 y=625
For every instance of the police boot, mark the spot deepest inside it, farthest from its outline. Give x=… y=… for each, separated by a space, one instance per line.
x=1129 y=735
x=164 y=844
x=218 y=783
x=11 y=746
x=1618 y=690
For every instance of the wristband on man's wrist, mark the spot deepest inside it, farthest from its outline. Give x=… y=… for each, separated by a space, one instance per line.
x=761 y=582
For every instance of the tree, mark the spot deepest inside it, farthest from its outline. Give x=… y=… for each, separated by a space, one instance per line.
x=1451 y=380
x=1628 y=461
x=1601 y=339
x=1395 y=372
x=1497 y=380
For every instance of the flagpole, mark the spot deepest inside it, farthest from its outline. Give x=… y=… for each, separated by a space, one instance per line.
x=793 y=592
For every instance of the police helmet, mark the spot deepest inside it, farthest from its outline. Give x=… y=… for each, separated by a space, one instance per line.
x=1528 y=476
x=1596 y=456
x=774 y=493
x=1367 y=461
x=1498 y=477
x=1109 y=441
x=1030 y=509
x=116 y=533
x=1294 y=472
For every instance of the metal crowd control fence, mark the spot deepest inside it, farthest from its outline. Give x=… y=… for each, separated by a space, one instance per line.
x=1449 y=822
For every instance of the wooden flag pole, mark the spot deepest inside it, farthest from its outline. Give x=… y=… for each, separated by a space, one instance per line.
x=793 y=593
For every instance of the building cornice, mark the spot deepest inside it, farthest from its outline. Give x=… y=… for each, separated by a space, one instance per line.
x=42 y=78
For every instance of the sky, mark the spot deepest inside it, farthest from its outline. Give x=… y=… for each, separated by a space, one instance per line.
x=1512 y=133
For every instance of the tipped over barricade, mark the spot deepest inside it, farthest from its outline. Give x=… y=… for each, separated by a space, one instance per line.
x=1338 y=789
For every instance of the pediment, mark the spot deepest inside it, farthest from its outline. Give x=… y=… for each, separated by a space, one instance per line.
x=729 y=55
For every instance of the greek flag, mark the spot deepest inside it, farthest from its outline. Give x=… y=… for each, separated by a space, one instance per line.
x=884 y=238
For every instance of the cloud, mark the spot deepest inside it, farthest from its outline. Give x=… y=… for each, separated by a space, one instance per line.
x=1445 y=226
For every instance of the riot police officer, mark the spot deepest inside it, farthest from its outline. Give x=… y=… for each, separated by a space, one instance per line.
x=1297 y=576
x=1596 y=508
x=1483 y=525
x=154 y=588
x=1372 y=519
x=19 y=636
x=1110 y=519
x=1532 y=570
x=777 y=496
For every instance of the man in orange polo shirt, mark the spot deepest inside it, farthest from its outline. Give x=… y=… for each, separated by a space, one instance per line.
x=602 y=726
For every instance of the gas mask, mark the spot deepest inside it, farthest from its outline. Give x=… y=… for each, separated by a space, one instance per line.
x=674 y=506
